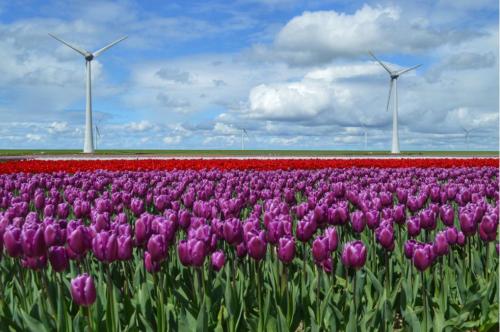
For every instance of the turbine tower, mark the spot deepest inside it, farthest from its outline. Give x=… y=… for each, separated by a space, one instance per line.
x=243 y=134
x=394 y=75
x=88 y=144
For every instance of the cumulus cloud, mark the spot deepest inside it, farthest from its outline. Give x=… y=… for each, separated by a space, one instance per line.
x=320 y=36
x=289 y=101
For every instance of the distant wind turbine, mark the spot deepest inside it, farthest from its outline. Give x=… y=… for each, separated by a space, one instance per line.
x=88 y=144
x=365 y=131
x=466 y=136
x=243 y=134
x=394 y=75
x=97 y=135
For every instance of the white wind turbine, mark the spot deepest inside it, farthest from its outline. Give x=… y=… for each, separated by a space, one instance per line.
x=88 y=144
x=467 y=135
x=243 y=134
x=394 y=74
x=365 y=132
x=97 y=135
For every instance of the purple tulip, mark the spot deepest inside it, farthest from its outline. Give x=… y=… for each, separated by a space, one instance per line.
x=143 y=229
x=399 y=214
x=137 y=206
x=218 y=259
x=63 y=210
x=197 y=251
x=183 y=251
x=385 y=236
x=54 y=235
x=191 y=252
x=105 y=247
x=157 y=247
x=83 y=290
x=58 y=258
x=332 y=237
x=421 y=258
x=305 y=230
x=49 y=210
x=409 y=248
x=354 y=255
x=257 y=247
x=467 y=224
x=413 y=225
x=124 y=247
x=461 y=239
x=150 y=264
x=286 y=249
x=320 y=249
x=12 y=241
x=440 y=245
x=447 y=215
x=39 y=201
x=488 y=229
x=358 y=221
x=428 y=219
x=184 y=219
x=233 y=231
x=372 y=219
x=241 y=250
x=33 y=241
x=451 y=235
x=79 y=240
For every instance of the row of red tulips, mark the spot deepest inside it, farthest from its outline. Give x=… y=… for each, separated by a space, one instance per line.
x=72 y=166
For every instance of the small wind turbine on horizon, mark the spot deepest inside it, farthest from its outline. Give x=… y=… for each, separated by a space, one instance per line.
x=97 y=135
x=394 y=75
x=466 y=136
x=243 y=134
x=88 y=144
x=365 y=132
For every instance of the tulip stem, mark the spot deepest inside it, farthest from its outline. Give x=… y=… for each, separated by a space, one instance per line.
x=110 y=297
x=355 y=302
x=486 y=271
x=304 y=272
x=89 y=318
x=424 y=299
x=318 y=285
x=259 y=295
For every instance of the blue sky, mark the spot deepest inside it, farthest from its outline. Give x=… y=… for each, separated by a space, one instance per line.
x=295 y=74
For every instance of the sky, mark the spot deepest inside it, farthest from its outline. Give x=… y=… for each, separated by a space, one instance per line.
x=293 y=74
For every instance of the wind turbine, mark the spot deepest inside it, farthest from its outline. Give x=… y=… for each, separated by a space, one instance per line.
x=243 y=134
x=394 y=75
x=365 y=131
x=88 y=144
x=97 y=135
x=467 y=135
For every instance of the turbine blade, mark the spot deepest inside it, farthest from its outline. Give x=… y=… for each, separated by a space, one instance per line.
x=401 y=72
x=78 y=49
x=389 y=98
x=381 y=63
x=96 y=53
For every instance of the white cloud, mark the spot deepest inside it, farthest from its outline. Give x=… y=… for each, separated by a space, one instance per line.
x=33 y=137
x=289 y=101
x=320 y=36
x=170 y=140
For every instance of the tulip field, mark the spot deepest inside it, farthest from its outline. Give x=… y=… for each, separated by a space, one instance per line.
x=249 y=245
